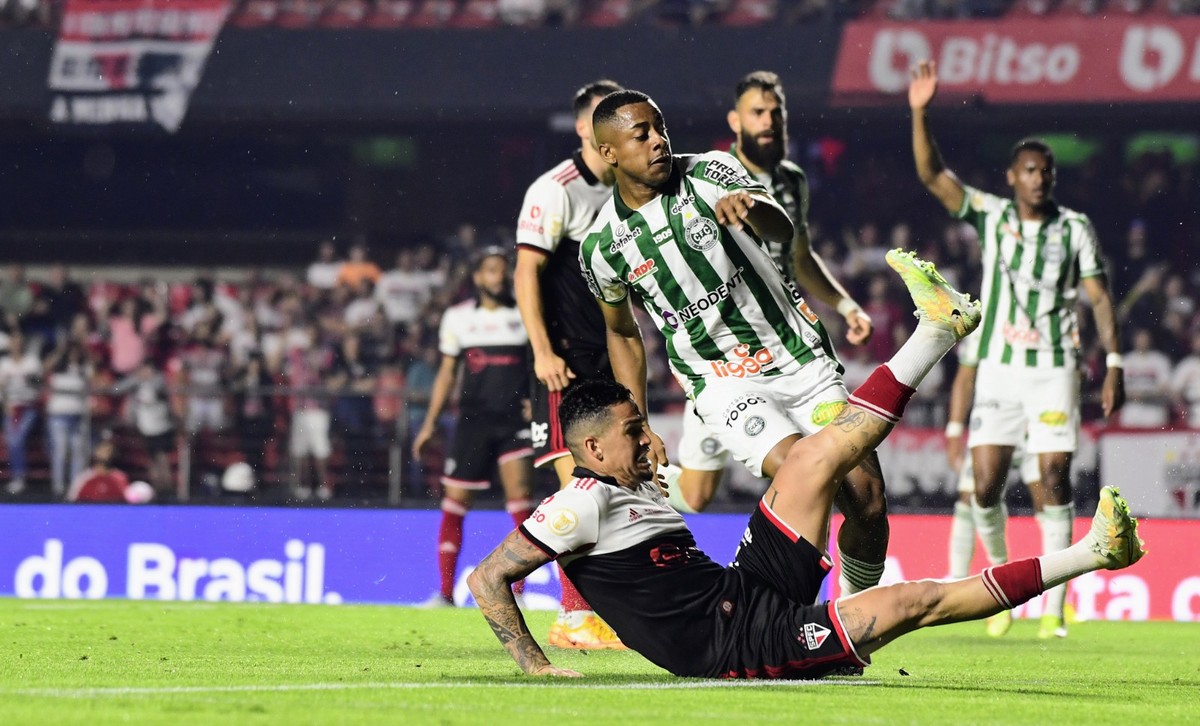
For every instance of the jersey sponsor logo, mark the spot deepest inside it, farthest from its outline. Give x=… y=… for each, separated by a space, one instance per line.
x=726 y=176
x=740 y=406
x=590 y=278
x=623 y=237
x=669 y=555
x=825 y=413
x=535 y=211
x=1053 y=418
x=702 y=234
x=1019 y=336
x=563 y=522
x=754 y=425
x=815 y=635
x=663 y=235
x=539 y=433
x=744 y=363
x=477 y=360
x=640 y=271
x=681 y=203
x=675 y=318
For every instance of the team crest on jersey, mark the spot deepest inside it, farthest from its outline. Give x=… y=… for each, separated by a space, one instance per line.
x=814 y=635
x=702 y=234
x=754 y=425
x=563 y=522
x=710 y=446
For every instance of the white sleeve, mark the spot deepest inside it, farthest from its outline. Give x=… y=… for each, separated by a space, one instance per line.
x=564 y=522
x=1091 y=263
x=601 y=278
x=448 y=342
x=543 y=215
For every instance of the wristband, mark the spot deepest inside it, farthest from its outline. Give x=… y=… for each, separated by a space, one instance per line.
x=954 y=429
x=846 y=306
x=1114 y=360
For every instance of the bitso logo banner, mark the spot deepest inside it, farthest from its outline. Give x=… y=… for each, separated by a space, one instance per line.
x=1048 y=60
x=131 y=61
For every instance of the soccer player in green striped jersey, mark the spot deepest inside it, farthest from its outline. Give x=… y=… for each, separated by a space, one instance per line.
x=686 y=236
x=1036 y=253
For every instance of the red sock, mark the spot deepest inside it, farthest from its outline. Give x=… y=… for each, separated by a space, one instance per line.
x=1015 y=582
x=882 y=395
x=450 y=536
x=519 y=509
x=572 y=601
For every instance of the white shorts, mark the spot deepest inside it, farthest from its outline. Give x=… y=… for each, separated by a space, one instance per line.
x=751 y=415
x=699 y=447
x=1012 y=401
x=1025 y=464
x=310 y=434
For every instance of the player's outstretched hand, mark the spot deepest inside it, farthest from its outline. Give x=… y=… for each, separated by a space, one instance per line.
x=553 y=372
x=924 y=83
x=556 y=672
x=858 y=327
x=733 y=210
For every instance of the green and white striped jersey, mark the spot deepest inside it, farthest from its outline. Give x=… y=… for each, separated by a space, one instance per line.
x=1031 y=274
x=788 y=184
x=714 y=291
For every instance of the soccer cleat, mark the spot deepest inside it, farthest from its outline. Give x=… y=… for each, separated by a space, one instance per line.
x=591 y=634
x=999 y=624
x=1051 y=626
x=1114 y=534
x=436 y=601
x=938 y=303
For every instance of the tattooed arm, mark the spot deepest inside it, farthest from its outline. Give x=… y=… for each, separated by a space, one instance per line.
x=491 y=583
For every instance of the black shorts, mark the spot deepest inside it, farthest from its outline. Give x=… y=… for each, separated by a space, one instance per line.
x=776 y=631
x=480 y=442
x=548 y=443
x=160 y=443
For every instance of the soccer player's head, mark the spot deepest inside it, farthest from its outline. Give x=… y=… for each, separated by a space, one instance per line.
x=759 y=118
x=1031 y=172
x=632 y=137
x=491 y=275
x=605 y=431
x=584 y=104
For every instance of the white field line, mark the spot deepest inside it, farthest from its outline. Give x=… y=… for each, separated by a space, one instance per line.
x=120 y=692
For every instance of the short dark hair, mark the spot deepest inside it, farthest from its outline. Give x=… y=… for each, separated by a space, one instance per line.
x=762 y=80
x=595 y=89
x=486 y=252
x=586 y=406
x=1031 y=143
x=607 y=109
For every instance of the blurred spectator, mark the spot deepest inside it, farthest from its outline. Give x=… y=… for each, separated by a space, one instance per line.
x=323 y=273
x=67 y=376
x=358 y=268
x=405 y=289
x=101 y=483
x=363 y=308
x=307 y=369
x=1185 y=384
x=128 y=330
x=16 y=296
x=354 y=378
x=1147 y=383
x=20 y=373
x=887 y=317
x=203 y=368
x=254 y=412
x=152 y=418
x=64 y=299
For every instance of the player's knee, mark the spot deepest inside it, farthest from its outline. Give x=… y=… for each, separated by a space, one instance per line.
x=817 y=457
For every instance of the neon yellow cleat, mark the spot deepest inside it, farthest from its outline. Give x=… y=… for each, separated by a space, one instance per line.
x=1114 y=532
x=1051 y=626
x=999 y=624
x=591 y=634
x=938 y=303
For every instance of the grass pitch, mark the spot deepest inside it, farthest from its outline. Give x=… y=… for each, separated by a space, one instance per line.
x=184 y=663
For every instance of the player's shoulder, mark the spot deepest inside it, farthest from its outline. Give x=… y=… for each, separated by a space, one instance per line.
x=602 y=227
x=792 y=169
x=1073 y=216
x=719 y=168
x=582 y=491
x=461 y=309
x=981 y=202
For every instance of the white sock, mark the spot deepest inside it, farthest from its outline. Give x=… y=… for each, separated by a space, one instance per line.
x=962 y=540
x=857 y=575
x=990 y=523
x=920 y=353
x=1055 y=522
x=1076 y=560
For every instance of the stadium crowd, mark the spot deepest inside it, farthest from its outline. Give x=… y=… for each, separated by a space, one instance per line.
x=482 y=14
x=309 y=378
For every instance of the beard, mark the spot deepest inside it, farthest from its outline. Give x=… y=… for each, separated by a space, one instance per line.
x=501 y=296
x=765 y=157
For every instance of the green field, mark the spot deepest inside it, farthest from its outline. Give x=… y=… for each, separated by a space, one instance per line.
x=176 y=663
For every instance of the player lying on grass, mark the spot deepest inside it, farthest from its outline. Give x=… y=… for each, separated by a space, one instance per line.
x=634 y=559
